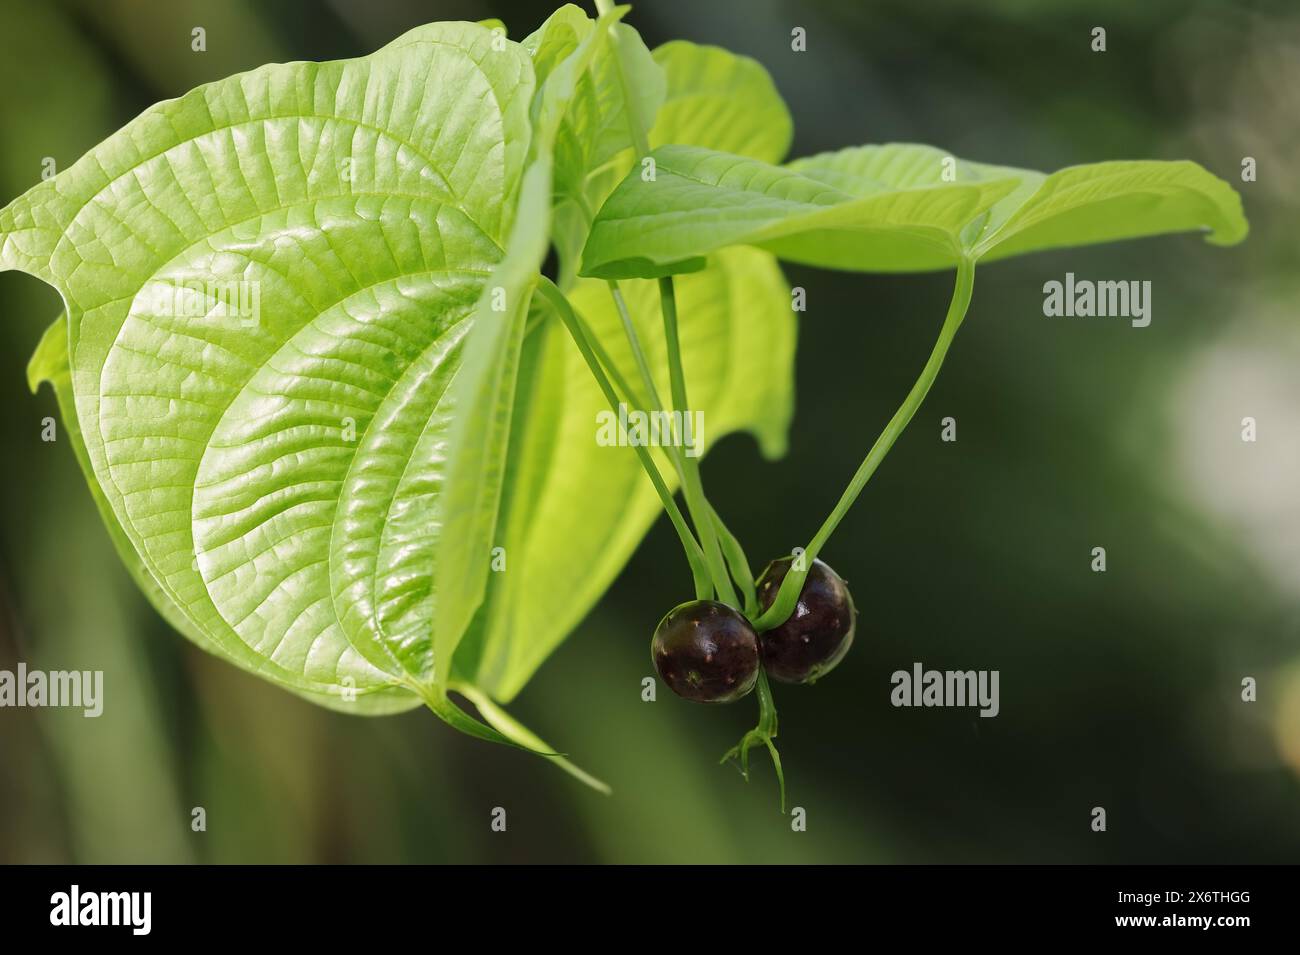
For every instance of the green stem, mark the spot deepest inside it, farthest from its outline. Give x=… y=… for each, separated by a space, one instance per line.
x=737 y=562
x=788 y=595
x=583 y=339
x=692 y=484
x=650 y=401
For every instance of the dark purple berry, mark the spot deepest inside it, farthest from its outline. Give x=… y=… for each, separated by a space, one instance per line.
x=706 y=652
x=817 y=634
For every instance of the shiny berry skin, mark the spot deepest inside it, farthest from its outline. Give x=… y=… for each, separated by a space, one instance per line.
x=817 y=634
x=706 y=652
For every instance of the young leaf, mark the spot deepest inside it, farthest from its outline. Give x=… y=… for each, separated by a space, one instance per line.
x=274 y=467
x=863 y=170
x=897 y=207
x=720 y=100
x=738 y=347
x=612 y=98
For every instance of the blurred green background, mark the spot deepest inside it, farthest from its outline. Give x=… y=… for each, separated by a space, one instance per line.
x=1119 y=690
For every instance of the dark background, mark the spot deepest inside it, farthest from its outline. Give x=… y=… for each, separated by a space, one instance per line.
x=1119 y=689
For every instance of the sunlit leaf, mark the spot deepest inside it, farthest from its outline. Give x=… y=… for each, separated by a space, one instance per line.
x=891 y=208
x=268 y=281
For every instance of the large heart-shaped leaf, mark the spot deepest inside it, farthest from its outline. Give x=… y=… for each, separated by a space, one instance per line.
x=284 y=487
x=268 y=282
x=898 y=207
x=49 y=363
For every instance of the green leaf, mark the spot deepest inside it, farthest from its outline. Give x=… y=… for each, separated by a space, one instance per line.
x=480 y=402
x=481 y=398
x=710 y=97
x=864 y=170
x=701 y=200
x=738 y=338
x=720 y=100
x=612 y=100
x=1082 y=205
x=1078 y=205
x=275 y=474
x=898 y=207
x=50 y=364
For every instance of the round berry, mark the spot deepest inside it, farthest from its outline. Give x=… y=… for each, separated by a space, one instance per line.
x=707 y=652
x=817 y=635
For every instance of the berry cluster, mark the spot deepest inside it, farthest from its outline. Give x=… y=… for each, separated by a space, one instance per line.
x=710 y=653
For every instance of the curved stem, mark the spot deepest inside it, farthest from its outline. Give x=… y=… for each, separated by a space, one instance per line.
x=634 y=343
x=788 y=595
x=583 y=339
x=692 y=485
x=650 y=401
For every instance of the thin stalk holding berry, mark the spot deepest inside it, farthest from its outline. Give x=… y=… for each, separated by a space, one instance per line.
x=788 y=595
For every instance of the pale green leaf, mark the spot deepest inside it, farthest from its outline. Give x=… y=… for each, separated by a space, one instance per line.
x=554 y=460
x=1103 y=202
x=609 y=99
x=49 y=363
x=276 y=473
x=1078 y=205
x=480 y=402
x=863 y=170
x=700 y=201
x=721 y=101
x=481 y=398
x=896 y=207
